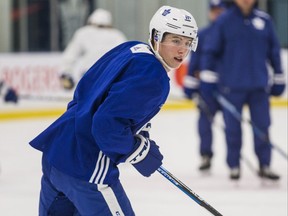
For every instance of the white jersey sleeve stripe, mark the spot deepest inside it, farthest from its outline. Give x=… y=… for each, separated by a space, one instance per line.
x=99 y=172
x=96 y=167
x=107 y=162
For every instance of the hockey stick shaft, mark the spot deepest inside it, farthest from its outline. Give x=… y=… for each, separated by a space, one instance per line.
x=205 y=108
x=187 y=191
x=231 y=108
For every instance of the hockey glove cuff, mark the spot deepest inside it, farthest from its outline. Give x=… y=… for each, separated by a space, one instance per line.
x=144 y=131
x=147 y=157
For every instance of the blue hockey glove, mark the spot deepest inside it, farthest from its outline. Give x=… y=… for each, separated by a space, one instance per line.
x=277 y=89
x=278 y=86
x=147 y=157
x=67 y=81
x=190 y=86
x=208 y=84
x=11 y=96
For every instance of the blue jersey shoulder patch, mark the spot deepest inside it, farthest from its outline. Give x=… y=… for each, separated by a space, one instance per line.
x=141 y=48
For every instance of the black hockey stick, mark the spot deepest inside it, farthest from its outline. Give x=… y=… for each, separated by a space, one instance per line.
x=206 y=110
x=187 y=191
x=232 y=109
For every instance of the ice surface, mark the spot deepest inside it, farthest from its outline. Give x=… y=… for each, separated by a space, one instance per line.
x=175 y=132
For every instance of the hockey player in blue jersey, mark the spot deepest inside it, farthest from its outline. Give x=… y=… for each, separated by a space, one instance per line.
x=208 y=106
x=115 y=98
x=245 y=40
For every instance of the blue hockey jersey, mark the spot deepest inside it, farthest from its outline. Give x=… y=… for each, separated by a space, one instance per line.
x=121 y=92
x=244 y=45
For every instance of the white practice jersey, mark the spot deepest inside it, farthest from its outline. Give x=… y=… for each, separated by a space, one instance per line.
x=88 y=44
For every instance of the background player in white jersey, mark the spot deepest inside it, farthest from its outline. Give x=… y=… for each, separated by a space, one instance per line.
x=115 y=99
x=88 y=44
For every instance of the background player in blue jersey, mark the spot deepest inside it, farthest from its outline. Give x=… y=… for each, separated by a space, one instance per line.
x=115 y=98
x=208 y=106
x=244 y=40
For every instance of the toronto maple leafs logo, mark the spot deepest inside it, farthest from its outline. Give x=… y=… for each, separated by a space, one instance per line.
x=166 y=11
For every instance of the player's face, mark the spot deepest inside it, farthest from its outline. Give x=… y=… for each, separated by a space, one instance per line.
x=215 y=12
x=174 y=48
x=245 y=5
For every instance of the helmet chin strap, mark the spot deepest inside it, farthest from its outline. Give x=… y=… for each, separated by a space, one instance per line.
x=158 y=56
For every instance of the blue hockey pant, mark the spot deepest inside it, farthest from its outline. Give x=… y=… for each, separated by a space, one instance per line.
x=63 y=195
x=259 y=108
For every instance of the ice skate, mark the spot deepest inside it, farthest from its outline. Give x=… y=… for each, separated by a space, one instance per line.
x=266 y=173
x=205 y=163
x=235 y=173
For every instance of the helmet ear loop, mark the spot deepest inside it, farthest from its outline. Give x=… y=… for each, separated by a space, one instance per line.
x=160 y=57
x=157 y=40
x=194 y=44
x=157 y=44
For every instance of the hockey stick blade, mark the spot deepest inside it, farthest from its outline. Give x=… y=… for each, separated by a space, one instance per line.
x=187 y=191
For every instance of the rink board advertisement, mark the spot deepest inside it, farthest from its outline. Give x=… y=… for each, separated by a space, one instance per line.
x=38 y=74
x=32 y=74
x=35 y=76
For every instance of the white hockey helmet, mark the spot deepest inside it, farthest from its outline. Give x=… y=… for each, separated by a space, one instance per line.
x=173 y=20
x=100 y=17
